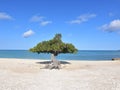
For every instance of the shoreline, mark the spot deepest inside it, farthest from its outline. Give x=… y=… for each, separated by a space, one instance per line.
x=57 y=59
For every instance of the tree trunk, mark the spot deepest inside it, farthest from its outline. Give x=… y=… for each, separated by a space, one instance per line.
x=55 y=64
x=53 y=57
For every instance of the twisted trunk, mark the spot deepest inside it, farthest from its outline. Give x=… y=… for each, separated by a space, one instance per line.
x=53 y=57
x=55 y=64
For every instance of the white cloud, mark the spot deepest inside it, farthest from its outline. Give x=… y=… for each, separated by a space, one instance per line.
x=28 y=33
x=44 y=23
x=77 y=21
x=4 y=16
x=37 y=18
x=86 y=17
x=40 y=19
x=82 y=18
x=112 y=26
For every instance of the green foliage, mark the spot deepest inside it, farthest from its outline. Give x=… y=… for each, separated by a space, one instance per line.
x=54 y=46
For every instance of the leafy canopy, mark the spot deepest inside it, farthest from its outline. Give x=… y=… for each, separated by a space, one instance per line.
x=54 y=46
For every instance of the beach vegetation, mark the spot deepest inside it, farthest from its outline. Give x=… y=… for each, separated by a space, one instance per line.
x=54 y=46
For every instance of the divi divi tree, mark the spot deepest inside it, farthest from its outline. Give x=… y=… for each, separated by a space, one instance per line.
x=54 y=46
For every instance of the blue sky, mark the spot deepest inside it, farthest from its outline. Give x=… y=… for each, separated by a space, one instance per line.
x=88 y=24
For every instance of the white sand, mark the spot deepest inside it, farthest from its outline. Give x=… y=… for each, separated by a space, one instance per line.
x=21 y=74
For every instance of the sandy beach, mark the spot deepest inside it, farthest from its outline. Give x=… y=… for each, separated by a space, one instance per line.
x=24 y=74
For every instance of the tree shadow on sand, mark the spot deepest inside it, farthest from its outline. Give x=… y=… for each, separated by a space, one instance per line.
x=48 y=62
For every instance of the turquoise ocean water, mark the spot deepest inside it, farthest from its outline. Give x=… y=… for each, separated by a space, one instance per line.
x=81 y=55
